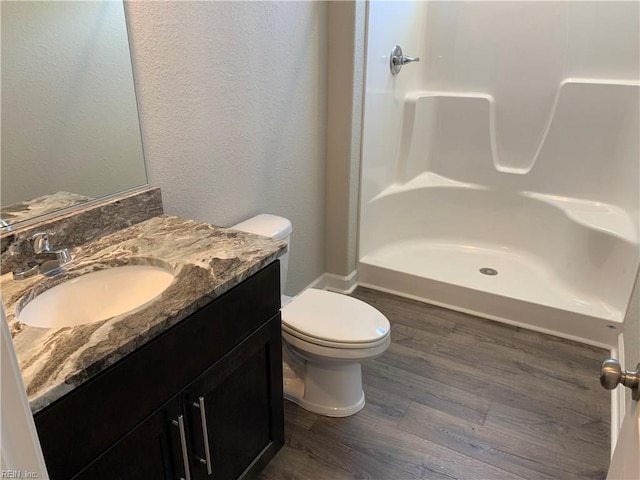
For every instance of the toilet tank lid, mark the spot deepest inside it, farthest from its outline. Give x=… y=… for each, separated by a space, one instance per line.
x=267 y=225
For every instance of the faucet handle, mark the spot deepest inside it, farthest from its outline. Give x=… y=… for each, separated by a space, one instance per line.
x=40 y=242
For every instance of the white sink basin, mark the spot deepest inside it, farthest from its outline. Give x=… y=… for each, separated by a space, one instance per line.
x=95 y=296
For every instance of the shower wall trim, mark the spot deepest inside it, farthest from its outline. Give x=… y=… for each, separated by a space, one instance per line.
x=592 y=334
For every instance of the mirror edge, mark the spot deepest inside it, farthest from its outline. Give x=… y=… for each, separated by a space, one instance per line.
x=25 y=224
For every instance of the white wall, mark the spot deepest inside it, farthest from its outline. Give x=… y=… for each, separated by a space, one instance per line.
x=232 y=102
x=19 y=446
x=631 y=333
x=69 y=117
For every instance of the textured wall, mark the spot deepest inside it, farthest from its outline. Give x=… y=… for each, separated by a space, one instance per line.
x=345 y=87
x=69 y=118
x=232 y=100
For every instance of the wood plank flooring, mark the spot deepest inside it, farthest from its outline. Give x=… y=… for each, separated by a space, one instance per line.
x=456 y=396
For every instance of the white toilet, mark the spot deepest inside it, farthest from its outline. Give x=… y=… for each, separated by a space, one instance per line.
x=325 y=337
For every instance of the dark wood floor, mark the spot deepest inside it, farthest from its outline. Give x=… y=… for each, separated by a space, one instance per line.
x=456 y=396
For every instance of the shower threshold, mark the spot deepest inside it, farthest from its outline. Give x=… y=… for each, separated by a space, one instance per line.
x=523 y=290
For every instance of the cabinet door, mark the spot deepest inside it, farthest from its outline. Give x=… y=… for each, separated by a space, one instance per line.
x=152 y=450
x=235 y=409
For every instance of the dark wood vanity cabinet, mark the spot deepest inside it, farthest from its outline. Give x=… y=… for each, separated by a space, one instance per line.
x=150 y=450
x=234 y=397
x=208 y=391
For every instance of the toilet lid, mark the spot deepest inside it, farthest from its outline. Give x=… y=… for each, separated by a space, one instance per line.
x=334 y=317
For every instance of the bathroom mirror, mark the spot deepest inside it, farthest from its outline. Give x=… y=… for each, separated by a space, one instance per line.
x=70 y=129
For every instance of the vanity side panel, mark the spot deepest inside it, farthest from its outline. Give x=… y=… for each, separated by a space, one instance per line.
x=80 y=426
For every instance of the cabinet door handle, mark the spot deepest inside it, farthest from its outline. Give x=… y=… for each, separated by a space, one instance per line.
x=205 y=434
x=183 y=443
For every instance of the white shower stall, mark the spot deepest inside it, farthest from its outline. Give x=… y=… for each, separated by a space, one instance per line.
x=501 y=173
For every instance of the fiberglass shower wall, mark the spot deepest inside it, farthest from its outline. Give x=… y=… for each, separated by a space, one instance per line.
x=515 y=136
x=517 y=61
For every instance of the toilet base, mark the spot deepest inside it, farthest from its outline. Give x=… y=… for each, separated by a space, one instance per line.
x=332 y=389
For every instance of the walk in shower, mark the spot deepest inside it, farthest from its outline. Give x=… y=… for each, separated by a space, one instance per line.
x=500 y=174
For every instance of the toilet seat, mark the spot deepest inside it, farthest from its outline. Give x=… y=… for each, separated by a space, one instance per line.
x=333 y=320
x=330 y=354
x=324 y=343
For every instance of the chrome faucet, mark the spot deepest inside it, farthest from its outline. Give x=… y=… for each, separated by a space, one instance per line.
x=46 y=260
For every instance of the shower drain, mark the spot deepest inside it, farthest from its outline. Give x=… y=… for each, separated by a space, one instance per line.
x=488 y=271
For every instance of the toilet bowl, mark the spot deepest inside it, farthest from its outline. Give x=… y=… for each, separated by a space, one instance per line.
x=325 y=336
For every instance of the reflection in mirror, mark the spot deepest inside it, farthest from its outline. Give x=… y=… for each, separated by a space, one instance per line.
x=70 y=129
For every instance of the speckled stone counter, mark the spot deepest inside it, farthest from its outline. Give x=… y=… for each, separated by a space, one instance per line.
x=206 y=261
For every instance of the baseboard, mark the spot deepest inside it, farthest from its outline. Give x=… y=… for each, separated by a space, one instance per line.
x=320 y=283
x=341 y=284
x=334 y=283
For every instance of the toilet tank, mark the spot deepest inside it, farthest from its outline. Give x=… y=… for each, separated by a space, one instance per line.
x=275 y=227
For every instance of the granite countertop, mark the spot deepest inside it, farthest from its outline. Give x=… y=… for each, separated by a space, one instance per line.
x=29 y=209
x=206 y=260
